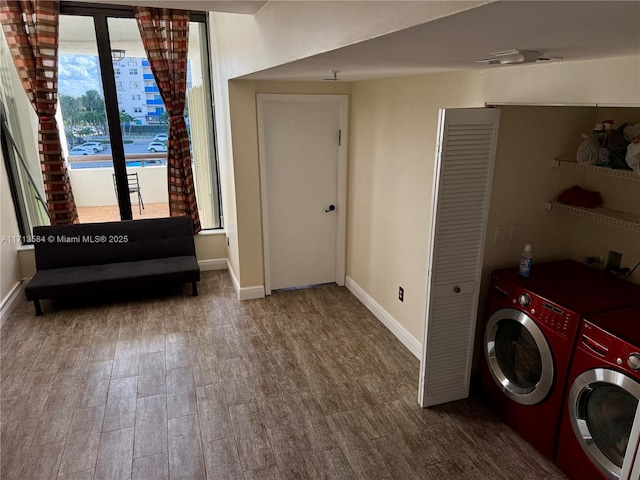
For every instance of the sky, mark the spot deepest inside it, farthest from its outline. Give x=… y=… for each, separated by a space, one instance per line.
x=77 y=74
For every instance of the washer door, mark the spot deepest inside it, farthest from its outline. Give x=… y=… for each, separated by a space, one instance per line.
x=602 y=407
x=519 y=356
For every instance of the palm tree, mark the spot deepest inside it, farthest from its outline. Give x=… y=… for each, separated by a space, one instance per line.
x=126 y=119
x=95 y=113
x=71 y=114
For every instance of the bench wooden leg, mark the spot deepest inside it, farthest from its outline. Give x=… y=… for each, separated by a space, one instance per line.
x=36 y=303
x=194 y=289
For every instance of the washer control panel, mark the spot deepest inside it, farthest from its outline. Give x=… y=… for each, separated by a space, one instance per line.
x=558 y=319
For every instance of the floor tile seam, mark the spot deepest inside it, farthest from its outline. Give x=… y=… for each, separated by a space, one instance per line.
x=136 y=431
x=496 y=466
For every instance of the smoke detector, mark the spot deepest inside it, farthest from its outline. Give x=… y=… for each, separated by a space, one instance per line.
x=335 y=76
x=514 y=56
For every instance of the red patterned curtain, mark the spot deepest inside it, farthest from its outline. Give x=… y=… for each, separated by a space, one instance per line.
x=31 y=30
x=165 y=35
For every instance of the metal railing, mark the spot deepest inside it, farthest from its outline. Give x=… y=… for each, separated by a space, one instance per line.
x=145 y=159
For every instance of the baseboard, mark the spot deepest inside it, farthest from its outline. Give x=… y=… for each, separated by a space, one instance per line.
x=251 y=293
x=213 y=264
x=10 y=302
x=245 y=293
x=385 y=317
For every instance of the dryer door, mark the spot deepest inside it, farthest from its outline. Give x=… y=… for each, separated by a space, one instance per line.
x=519 y=356
x=602 y=408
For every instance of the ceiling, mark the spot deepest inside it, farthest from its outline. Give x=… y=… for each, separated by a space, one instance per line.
x=572 y=30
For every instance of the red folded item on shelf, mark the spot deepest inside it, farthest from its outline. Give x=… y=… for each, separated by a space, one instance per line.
x=580 y=197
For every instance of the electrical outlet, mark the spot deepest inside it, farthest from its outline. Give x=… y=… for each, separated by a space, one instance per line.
x=501 y=232
x=614 y=260
x=401 y=294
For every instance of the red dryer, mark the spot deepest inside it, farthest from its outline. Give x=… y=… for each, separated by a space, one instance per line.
x=529 y=337
x=603 y=392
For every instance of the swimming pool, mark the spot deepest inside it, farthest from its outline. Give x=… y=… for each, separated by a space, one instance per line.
x=147 y=163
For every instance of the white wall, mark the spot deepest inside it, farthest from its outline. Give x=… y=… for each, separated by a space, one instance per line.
x=94 y=186
x=282 y=32
x=219 y=79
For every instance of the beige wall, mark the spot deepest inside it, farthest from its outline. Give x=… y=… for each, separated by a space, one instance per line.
x=591 y=238
x=246 y=166
x=393 y=133
x=606 y=81
x=210 y=245
x=10 y=274
x=524 y=179
x=530 y=137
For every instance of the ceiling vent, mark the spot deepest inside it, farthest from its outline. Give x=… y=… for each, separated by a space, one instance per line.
x=514 y=56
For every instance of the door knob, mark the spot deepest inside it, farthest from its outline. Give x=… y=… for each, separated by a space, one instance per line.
x=330 y=209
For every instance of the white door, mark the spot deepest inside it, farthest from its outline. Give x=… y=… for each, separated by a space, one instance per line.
x=303 y=177
x=460 y=205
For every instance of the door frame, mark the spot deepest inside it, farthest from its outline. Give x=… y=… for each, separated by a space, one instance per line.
x=341 y=181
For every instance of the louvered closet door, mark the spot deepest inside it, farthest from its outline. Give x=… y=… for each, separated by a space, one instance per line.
x=464 y=168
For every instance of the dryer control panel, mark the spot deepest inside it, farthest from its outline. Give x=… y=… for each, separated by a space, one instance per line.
x=609 y=348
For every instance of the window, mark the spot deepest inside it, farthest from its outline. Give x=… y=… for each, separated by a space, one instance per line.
x=21 y=159
x=95 y=104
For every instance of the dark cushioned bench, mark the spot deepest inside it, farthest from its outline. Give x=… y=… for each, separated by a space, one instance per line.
x=81 y=259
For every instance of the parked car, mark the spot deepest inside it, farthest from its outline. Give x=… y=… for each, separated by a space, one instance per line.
x=95 y=146
x=154 y=147
x=80 y=150
x=161 y=137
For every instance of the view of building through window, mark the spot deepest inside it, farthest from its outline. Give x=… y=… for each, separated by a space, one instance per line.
x=143 y=122
x=135 y=106
x=143 y=118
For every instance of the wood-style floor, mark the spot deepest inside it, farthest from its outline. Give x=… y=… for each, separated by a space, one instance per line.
x=304 y=384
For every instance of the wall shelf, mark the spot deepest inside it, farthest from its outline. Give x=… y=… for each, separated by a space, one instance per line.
x=609 y=172
x=626 y=221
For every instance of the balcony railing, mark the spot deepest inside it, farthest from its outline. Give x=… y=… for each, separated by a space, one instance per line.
x=93 y=186
x=106 y=161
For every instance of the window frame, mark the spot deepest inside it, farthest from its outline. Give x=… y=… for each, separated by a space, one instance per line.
x=100 y=13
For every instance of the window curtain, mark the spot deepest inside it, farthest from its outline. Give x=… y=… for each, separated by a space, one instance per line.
x=165 y=35
x=31 y=30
